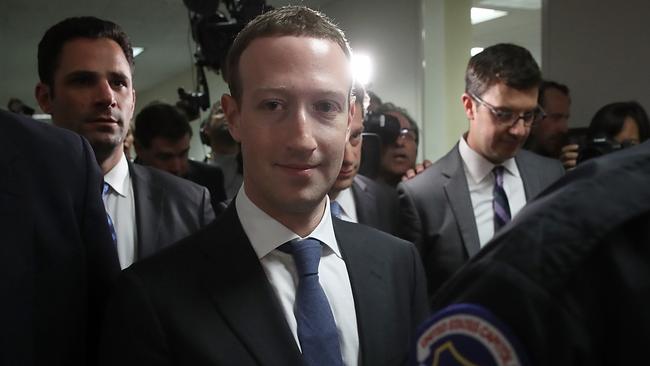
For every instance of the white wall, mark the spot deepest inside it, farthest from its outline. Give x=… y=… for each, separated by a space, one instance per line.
x=600 y=49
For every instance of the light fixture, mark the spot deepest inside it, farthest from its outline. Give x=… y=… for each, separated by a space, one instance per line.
x=475 y=50
x=362 y=68
x=480 y=15
x=137 y=51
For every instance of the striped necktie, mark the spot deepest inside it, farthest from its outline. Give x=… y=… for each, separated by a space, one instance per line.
x=105 y=190
x=500 y=200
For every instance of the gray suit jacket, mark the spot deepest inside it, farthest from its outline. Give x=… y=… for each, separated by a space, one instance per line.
x=376 y=204
x=167 y=208
x=436 y=210
x=207 y=301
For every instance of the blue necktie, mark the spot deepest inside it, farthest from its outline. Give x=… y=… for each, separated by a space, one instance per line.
x=111 y=227
x=317 y=330
x=336 y=209
x=500 y=200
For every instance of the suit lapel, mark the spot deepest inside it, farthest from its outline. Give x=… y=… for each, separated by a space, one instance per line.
x=460 y=202
x=365 y=270
x=364 y=201
x=148 y=200
x=243 y=296
x=529 y=176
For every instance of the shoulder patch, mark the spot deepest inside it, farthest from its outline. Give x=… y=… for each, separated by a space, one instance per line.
x=467 y=335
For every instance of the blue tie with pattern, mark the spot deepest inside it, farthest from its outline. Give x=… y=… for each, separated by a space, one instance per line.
x=500 y=200
x=336 y=209
x=317 y=330
x=111 y=227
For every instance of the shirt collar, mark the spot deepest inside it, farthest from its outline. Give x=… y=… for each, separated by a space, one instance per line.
x=118 y=177
x=346 y=201
x=266 y=234
x=478 y=166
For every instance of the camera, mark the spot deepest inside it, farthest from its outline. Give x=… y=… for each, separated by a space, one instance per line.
x=379 y=130
x=599 y=146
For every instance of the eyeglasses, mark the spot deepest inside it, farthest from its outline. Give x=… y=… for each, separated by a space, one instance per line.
x=507 y=117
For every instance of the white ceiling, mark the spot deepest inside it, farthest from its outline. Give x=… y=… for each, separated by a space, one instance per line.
x=162 y=27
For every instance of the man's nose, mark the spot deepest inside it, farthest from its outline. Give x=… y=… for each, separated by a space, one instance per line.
x=105 y=95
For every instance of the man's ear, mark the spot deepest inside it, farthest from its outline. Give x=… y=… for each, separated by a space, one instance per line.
x=233 y=116
x=43 y=94
x=468 y=106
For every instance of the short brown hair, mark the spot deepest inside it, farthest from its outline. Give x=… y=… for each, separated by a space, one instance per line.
x=285 y=21
x=506 y=63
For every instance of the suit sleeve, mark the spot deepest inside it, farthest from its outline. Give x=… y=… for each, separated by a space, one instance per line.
x=410 y=223
x=132 y=333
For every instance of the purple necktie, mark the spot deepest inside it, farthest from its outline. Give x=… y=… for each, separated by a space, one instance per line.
x=105 y=190
x=500 y=200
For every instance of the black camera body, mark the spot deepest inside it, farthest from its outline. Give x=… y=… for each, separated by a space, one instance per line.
x=379 y=130
x=599 y=146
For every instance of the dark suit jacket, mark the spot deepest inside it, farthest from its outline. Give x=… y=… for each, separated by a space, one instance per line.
x=207 y=301
x=57 y=259
x=376 y=204
x=211 y=177
x=167 y=208
x=436 y=210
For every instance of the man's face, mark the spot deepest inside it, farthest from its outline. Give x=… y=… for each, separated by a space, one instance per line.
x=292 y=121
x=92 y=92
x=550 y=133
x=165 y=154
x=352 y=156
x=400 y=156
x=498 y=142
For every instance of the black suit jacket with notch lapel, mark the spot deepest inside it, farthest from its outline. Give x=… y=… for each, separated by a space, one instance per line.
x=376 y=203
x=167 y=208
x=436 y=210
x=207 y=301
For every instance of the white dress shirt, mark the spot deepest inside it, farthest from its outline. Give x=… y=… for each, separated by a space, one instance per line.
x=480 y=182
x=120 y=204
x=345 y=198
x=266 y=235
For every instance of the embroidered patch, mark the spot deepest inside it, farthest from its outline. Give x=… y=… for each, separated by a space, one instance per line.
x=467 y=335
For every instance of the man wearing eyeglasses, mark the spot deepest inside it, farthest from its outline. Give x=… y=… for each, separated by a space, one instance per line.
x=452 y=209
x=357 y=198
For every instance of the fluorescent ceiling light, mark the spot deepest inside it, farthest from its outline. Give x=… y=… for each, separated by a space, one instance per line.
x=137 y=51
x=480 y=15
x=362 y=68
x=475 y=50
x=512 y=4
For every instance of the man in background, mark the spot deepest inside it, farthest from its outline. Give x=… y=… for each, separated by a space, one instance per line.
x=162 y=140
x=454 y=207
x=85 y=68
x=354 y=197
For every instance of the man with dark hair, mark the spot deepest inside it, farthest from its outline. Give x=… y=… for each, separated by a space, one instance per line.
x=454 y=207
x=57 y=261
x=398 y=156
x=276 y=280
x=357 y=198
x=549 y=136
x=85 y=65
x=162 y=140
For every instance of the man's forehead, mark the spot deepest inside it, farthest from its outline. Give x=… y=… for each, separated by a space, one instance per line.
x=92 y=52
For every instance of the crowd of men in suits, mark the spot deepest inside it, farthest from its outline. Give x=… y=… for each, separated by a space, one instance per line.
x=282 y=274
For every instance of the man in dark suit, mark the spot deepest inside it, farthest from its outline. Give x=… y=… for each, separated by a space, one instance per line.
x=357 y=198
x=162 y=140
x=57 y=260
x=570 y=277
x=85 y=68
x=448 y=210
x=230 y=294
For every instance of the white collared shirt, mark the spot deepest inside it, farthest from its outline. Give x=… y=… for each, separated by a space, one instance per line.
x=266 y=235
x=120 y=205
x=480 y=182
x=345 y=198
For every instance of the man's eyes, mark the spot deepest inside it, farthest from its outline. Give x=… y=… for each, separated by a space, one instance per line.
x=327 y=107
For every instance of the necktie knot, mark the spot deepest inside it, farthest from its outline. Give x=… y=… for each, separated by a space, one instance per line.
x=498 y=175
x=306 y=253
x=336 y=209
